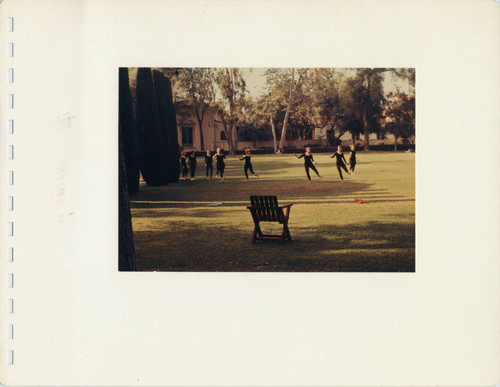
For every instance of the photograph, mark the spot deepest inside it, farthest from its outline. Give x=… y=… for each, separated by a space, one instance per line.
x=266 y=169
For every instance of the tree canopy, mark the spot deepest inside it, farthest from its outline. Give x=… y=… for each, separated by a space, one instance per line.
x=295 y=102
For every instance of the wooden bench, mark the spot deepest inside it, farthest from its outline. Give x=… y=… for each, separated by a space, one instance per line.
x=266 y=209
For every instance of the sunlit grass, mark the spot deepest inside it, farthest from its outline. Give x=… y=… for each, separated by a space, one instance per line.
x=175 y=230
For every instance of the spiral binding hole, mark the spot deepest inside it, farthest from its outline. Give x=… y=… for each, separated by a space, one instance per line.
x=10 y=198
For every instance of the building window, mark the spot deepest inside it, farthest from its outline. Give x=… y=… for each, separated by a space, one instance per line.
x=187 y=136
x=223 y=136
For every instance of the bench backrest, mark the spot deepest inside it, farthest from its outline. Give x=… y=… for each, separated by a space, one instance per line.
x=266 y=209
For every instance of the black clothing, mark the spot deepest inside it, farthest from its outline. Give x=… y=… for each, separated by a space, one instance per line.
x=340 y=163
x=209 y=165
x=352 y=160
x=247 y=159
x=339 y=156
x=192 y=164
x=340 y=170
x=184 y=167
x=308 y=159
x=192 y=161
x=308 y=163
x=220 y=164
x=210 y=170
x=313 y=168
x=248 y=165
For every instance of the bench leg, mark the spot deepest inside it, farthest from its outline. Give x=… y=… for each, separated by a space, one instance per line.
x=256 y=231
x=286 y=231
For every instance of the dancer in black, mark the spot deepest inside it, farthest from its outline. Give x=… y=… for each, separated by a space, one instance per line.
x=309 y=163
x=248 y=164
x=352 y=159
x=340 y=162
x=219 y=159
x=184 y=167
x=192 y=164
x=209 y=164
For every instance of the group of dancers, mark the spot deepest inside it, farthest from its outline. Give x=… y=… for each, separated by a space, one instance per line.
x=189 y=163
x=309 y=162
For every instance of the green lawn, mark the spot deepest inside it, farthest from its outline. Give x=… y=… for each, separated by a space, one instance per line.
x=175 y=230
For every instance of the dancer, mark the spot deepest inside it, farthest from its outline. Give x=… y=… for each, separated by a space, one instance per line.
x=219 y=159
x=340 y=162
x=216 y=164
x=192 y=164
x=209 y=164
x=309 y=163
x=352 y=158
x=184 y=167
x=248 y=164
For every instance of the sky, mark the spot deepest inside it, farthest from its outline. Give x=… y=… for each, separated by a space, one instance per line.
x=256 y=82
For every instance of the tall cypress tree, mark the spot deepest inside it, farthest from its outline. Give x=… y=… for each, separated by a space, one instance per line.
x=128 y=131
x=168 y=122
x=126 y=249
x=151 y=144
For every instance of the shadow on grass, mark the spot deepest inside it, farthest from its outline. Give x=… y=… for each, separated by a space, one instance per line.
x=205 y=207
x=188 y=246
x=215 y=191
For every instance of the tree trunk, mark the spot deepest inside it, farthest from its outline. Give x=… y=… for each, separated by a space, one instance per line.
x=152 y=152
x=309 y=132
x=230 y=142
x=273 y=130
x=287 y=114
x=365 y=131
x=128 y=132
x=171 y=120
x=199 y=118
x=365 y=118
x=229 y=133
x=126 y=249
x=395 y=143
x=235 y=138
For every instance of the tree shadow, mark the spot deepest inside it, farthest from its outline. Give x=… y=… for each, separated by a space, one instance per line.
x=369 y=247
x=207 y=207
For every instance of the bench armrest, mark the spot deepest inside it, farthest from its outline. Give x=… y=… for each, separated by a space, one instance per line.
x=288 y=205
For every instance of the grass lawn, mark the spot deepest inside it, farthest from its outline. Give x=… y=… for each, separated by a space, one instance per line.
x=175 y=230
